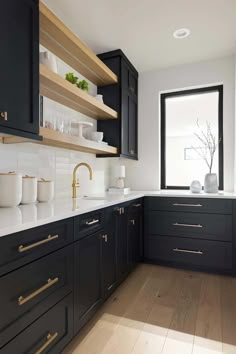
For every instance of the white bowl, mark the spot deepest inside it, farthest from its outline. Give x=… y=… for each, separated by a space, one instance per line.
x=97 y=136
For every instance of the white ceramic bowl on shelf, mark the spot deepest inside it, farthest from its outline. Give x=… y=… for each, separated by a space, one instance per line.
x=10 y=189
x=97 y=136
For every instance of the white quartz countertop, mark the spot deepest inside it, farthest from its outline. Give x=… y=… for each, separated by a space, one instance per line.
x=29 y=216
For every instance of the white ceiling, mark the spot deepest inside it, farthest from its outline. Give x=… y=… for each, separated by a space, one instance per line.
x=143 y=28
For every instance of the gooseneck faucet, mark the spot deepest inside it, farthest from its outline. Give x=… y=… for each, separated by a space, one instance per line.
x=75 y=182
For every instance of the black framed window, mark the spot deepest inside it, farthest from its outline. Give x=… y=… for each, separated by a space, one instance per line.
x=185 y=117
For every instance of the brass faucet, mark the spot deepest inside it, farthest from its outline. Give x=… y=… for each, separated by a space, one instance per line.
x=75 y=183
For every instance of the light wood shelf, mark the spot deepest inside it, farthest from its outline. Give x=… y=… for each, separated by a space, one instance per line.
x=65 y=141
x=62 y=91
x=60 y=40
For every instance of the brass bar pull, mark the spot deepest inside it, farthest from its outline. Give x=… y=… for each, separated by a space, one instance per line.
x=188 y=205
x=187 y=225
x=132 y=221
x=137 y=205
x=22 y=248
x=94 y=221
x=23 y=300
x=187 y=251
x=3 y=115
x=50 y=339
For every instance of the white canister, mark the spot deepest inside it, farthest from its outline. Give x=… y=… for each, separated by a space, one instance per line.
x=49 y=60
x=45 y=190
x=29 y=190
x=10 y=189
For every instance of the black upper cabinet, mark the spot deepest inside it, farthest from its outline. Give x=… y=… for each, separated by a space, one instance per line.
x=123 y=97
x=19 y=62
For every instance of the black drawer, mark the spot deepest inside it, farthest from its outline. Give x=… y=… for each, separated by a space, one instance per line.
x=31 y=290
x=26 y=246
x=136 y=206
x=89 y=223
x=207 y=226
x=212 y=255
x=50 y=333
x=193 y=205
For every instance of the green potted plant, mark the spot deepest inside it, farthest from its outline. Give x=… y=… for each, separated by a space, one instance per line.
x=83 y=85
x=72 y=78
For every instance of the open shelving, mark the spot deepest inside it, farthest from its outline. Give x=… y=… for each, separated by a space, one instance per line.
x=58 y=89
x=60 y=40
x=65 y=141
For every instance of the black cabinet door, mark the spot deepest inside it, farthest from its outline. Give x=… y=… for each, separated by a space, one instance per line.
x=109 y=251
x=135 y=234
x=122 y=242
x=87 y=283
x=19 y=61
x=122 y=133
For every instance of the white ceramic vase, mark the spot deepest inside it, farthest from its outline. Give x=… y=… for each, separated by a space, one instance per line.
x=195 y=187
x=10 y=189
x=211 y=183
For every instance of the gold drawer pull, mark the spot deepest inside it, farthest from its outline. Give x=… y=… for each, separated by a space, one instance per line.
x=22 y=248
x=22 y=300
x=50 y=339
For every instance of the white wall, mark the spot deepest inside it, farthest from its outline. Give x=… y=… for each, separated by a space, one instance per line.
x=145 y=174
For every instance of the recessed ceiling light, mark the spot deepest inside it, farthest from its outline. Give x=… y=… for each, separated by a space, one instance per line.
x=181 y=33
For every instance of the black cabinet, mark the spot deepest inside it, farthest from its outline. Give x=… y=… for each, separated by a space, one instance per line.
x=190 y=232
x=122 y=241
x=87 y=281
x=50 y=333
x=123 y=97
x=109 y=277
x=19 y=62
x=135 y=234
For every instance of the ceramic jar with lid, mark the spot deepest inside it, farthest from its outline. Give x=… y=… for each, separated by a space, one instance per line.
x=10 y=189
x=45 y=190
x=29 y=190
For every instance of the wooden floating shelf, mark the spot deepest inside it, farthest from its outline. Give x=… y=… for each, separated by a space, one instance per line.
x=62 y=91
x=65 y=141
x=61 y=41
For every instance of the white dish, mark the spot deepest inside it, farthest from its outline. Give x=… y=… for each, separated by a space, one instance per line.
x=97 y=136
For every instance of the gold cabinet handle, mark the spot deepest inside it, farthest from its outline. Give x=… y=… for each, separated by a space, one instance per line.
x=50 y=339
x=22 y=248
x=22 y=300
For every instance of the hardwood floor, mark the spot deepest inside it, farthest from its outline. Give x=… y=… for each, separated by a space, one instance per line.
x=160 y=310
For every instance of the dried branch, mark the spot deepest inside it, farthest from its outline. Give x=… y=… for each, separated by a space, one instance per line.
x=208 y=140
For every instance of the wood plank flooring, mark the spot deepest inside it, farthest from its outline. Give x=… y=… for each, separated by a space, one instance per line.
x=160 y=310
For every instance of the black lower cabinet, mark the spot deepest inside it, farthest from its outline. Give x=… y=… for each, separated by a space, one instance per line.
x=49 y=334
x=88 y=276
x=109 y=277
x=122 y=242
x=134 y=235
